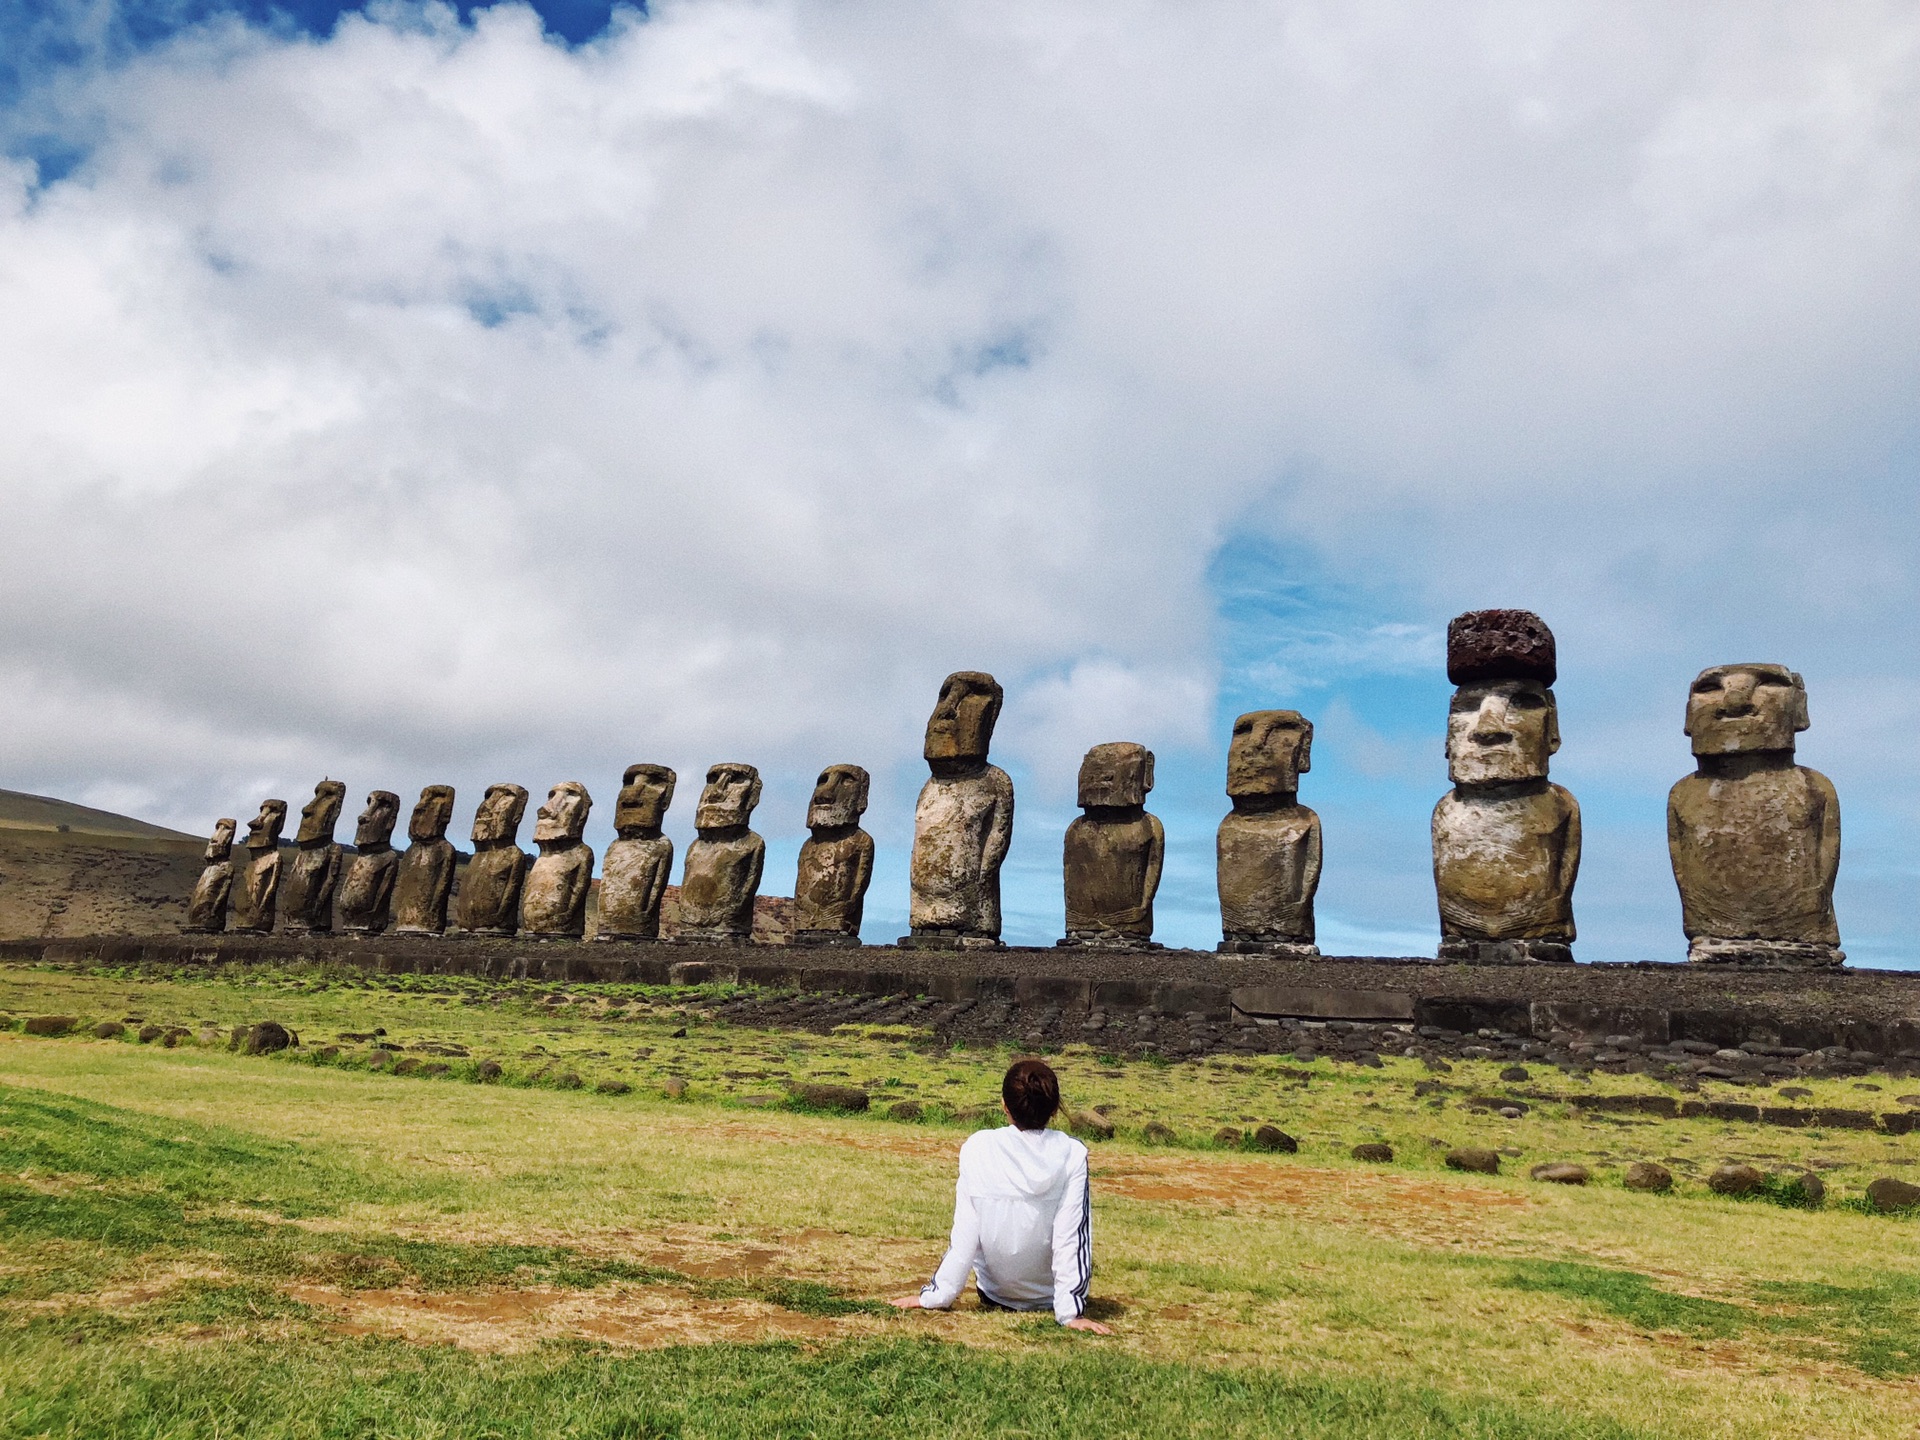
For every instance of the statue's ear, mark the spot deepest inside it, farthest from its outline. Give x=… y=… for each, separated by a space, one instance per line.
x=753 y=794
x=1800 y=720
x=1306 y=754
x=1146 y=776
x=1553 y=725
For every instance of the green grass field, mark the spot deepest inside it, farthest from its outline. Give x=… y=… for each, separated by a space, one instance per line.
x=200 y=1242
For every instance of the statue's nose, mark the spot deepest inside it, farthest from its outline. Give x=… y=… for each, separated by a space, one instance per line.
x=1738 y=697
x=1490 y=723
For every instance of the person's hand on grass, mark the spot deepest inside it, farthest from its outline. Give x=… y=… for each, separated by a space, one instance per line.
x=905 y=1302
x=1081 y=1322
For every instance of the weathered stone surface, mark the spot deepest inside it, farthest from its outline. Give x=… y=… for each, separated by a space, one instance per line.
x=1228 y=1138
x=109 y=1030
x=207 y=910
x=908 y=1110
x=1475 y=1158
x=1155 y=1133
x=1735 y=1179
x=836 y=861
x=1268 y=848
x=1887 y=1193
x=312 y=871
x=366 y=891
x=50 y=1024
x=1114 y=851
x=1374 y=1152
x=1506 y=840
x=490 y=888
x=673 y=1087
x=613 y=1087
x=1091 y=1125
x=1272 y=1138
x=963 y=822
x=831 y=1097
x=634 y=876
x=487 y=1071
x=1645 y=1175
x=724 y=864
x=1560 y=1172
x=269 y=1037
x=1807 y=1187
x=256 y=897
x=1754 y=838
x=1322 y=1002
x=425 y=876
x=553 y=903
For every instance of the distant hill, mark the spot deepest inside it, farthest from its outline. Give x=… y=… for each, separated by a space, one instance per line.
x=20 y=811
x=69 y=869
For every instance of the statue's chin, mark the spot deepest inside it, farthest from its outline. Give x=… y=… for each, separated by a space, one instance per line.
x=1499 y=768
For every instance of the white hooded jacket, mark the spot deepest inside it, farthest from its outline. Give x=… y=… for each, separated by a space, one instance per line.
x=1021 y=1222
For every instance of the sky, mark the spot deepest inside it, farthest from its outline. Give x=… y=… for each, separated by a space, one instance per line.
x=415 y=395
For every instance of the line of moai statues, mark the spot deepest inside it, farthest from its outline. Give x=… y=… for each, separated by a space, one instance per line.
x=1754 y=838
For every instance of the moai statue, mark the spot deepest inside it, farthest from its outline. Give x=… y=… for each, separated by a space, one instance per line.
x=963 y=823
x=207 y=910
x=722 y=872
x=1754 y=838
x=1114 y=851
x=256 y=899
x=425 y=877
x=836 y=862
x=554 y=903
x=366 y=894
x=490 y=888
x=634 y=876
x=313 y=870
x=1506 y=840
x=1268 y=848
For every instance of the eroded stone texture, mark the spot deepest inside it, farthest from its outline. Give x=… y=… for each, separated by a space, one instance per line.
x=1114 y=851
x=634 y=876
x=836 y=862
x=256 y=897
x=1268 y=848
x=963 y=822
x=554 y=904
x=207 y=910
x=424 y=878
x=1754 y=838
x=722 y=872
x=366 y=891
x=312 y=871
x=490 y=887
x=1506 y=840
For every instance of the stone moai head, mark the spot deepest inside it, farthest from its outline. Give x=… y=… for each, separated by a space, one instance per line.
x=1736 y=709
x=732 y=792
x=263 y=831
x=839 y=797
x=645 y=793
x=961 y=726
x=431 y=815
x=1270 y=751
x=497 y=821
x=1504 y=723
x=1115 y=776
x=564 y=816
x=320 y=814
x=375 y=827
x=220 y=843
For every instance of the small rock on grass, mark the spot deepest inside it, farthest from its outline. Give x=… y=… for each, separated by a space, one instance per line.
x=1800 y=1092
x=1733 y=1179
x=569 y=1081
x=1228 y=1138
x=1645 y=1175
x=613 y=1087
x=150 y=1033
x=904 y=1110
x=406 y=1065
x=1091 y=1125
x=50 y=1024
x=269 y=1037
x=673 y=1087
x=1888 y=1194
x=1157 y=1134
x=831 y=1097
x=1560 y=1172
x=1805 y=1186
x=379 y=1059
x=109 y=1030
x=1272 y=1138
x=487 y=1070
x=1514 y=1074
x=1476 y=1158
x=1374 y=1152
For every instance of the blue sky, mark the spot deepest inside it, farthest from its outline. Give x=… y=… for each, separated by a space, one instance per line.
x=420 y=396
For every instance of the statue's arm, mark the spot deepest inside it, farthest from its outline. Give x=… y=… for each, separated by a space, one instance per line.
x=383 y=889
x=862 y=863
x=1310 y=878
x=1570 y=845
x=1156 y=860
x=1829 y=841
x=582 y=881
x=657 y=881
x=756 y=864
x=1000 y=833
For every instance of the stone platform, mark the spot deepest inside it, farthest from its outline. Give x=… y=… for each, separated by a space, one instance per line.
x=1056 y=992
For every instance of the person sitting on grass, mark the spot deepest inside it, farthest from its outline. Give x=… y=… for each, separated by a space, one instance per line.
x=1021 y=1218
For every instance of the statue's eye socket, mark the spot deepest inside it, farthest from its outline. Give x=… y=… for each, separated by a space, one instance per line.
x=1706 y=687
x=1524 y=701
x=1465 y=704
x=1771 y=681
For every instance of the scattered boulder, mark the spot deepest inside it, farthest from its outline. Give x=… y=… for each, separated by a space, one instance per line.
x=1374 y=1152
x=150 y=1033
x=679 y=1034
x=1735 y=1179
x=1089 y=1125
x=487 y=1071
x=1888 y=1194
x=328 y=1053
x=569 y=1081
x=1273 y=1138
x=1228 y=1138
x=175 y=1034
x=50 y=1024
x=109 y=1030
x=1516 y=1074
x=406 y=1065
x=1560 y=1172
x=830 y=1097
x=1647 y=1176
x=673 y=1087
x=904 y=1110
x=1804 y=1188
x=1478 y=1159
x=435 y=1070
x=612 y=1087
x=1157 y=1134
x=267 y=1038
x=379 y=1059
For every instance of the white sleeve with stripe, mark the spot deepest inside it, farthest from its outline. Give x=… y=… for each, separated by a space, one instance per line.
x=962 y=1250
x=1073 y=1243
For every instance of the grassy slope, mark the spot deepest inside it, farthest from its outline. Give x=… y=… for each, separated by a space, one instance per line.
x=302 y=1216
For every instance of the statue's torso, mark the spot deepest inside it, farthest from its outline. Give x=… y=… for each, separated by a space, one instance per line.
x=1498 y=863
x=1268 y=868
x=306 y=887
x=422 y=881
x=490 y=890
x=1748 y=855
x=831 y=889
x=632 y=879
x=207 y=910
x=954 y=887
x=366 y=892
x=718 y=886
x=256 y=895
x=1108 y=866
x=554 y=898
